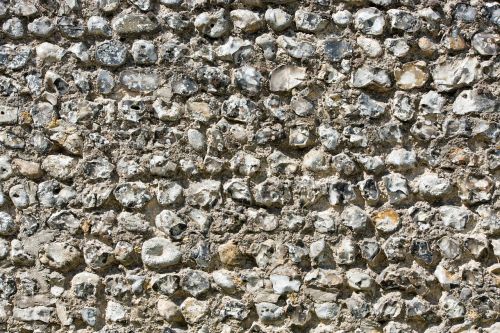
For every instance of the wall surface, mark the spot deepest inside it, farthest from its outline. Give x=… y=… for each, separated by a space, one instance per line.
x=249 y=166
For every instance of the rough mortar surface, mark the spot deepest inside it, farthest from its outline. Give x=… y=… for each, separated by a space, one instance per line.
x=227 y=166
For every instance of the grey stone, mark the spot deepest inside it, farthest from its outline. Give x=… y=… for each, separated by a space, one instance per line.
x=369 y=21
x=470 y=101
x=158 y=253
x=213 y=25
x=14 y=57
x=283 y=284
x=71 y=27
x=454 y=216
x=99 y=26
x=144 y=52
x=246 y=20
x=455 y=73
x=249 y=80
x=111 y=53
x=342 y=17
x=32 y=314
x=14 y=28
x=90 y=315
x=108 y=6
x=132 y=194
x=195 y=282
x=403 y=20
x=139 y=80
x=309 y=21
x=368 y=77
x=116 y=312
x=485 y=43
x=269 y=312
x=287 y=77
x=278 y=19
x=337 y=49
x=129 y=23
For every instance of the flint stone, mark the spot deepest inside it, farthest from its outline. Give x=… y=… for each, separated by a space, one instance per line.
x=470 y=101
x=36 y=313
x=456 y=73
x=369 y=21
x=287 y=77
x=454 y=216
x=159 y=253
x=277 y=19
x=269 y=312
x=213 y=25
x=132 y=194
x=194 y=310
x=139 y=80
x=133 y=23
x=309 y=22
x=59 y=166
x=283 y=284
x=245 y=20
x=371 y=77
x=205 y=193
x=111 y=53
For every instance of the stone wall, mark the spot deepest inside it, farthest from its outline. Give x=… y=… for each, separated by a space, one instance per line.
x=249 y=166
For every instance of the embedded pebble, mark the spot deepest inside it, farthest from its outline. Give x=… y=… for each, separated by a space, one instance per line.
x=158 y=253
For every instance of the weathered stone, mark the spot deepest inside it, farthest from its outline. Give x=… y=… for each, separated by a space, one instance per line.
x=139 y=80
x=71 y=27
x=59 y=166
x=246 y=20
x=455 y=73
x=486 y=44
x=470 y=101
x=99 y=26
x=342 y=17
x=98 y=255
x=403 y=20
x=159 y=253
x=368 y=77
x=309 y=22
x=454 y=216
x=278 y=19
x=133 y=23
x=60 y=256
x=111 y=53
x=285 y=78
x=132 y=194
x=337 y=49
x=168 y=310
x=284 y=284
x=370 y=46
x=269 y=312
x=411 y=75
x=248 y=79
x=257 y=165
x=194 y=282
x=369 y=21
x=14 y=28
x=144 y=52
x=213 y=25
x=193 y=310
x=14 y=57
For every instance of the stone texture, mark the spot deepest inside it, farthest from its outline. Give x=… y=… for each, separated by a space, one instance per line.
x=243 y=166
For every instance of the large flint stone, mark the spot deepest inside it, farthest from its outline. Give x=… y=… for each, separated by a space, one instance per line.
x=287 y=77
x=456 y=73
x=133 y=23
x=139 y=80
x=158 y=253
